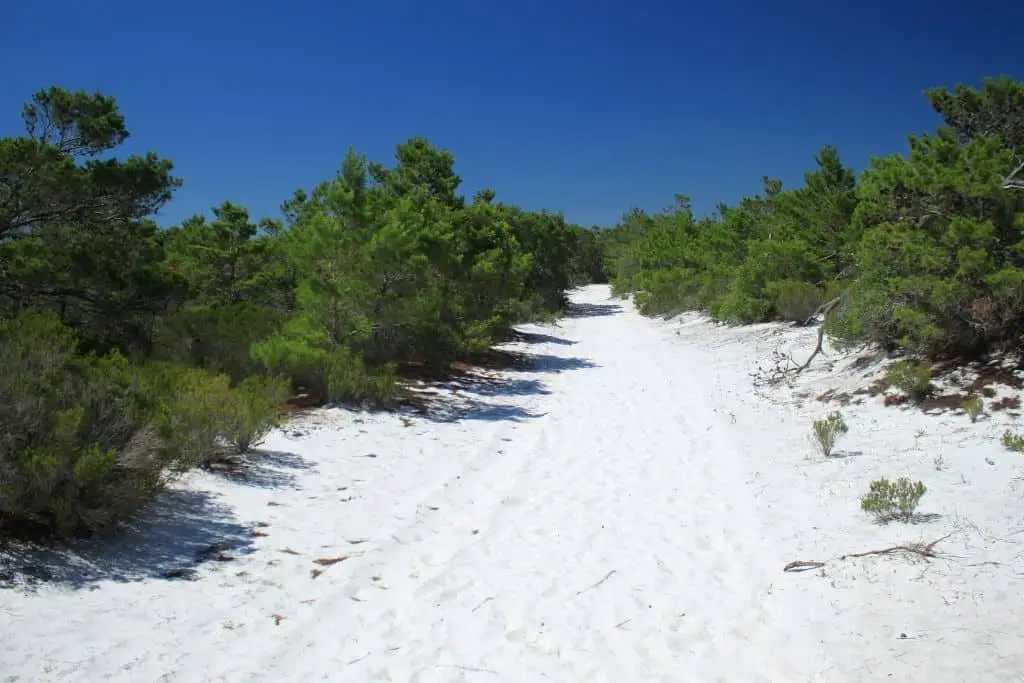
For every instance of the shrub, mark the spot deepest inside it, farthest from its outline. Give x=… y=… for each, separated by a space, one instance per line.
x=897 y=500
x=348 y=379
x=913 y=379
x=336 y=375
x=193 y=412
x=76 y=450
x=827 y=432
x=255 y=410
x=1013 y=441
x=85 y=441
x=215 y=338
x=974 y=407
x=795 y=300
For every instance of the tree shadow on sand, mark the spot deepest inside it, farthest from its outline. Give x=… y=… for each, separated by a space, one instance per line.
x=581 y=310
x=472 y=389
x=180 y=530
x=538 y=338
x=263 y=469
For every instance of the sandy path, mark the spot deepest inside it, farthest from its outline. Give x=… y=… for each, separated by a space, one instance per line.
x=621 y=483
x=619 y=513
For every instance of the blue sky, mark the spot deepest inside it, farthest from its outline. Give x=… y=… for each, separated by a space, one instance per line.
x=584 y=107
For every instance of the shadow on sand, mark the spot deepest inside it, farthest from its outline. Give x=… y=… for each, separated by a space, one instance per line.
x=538 y=338
x=472 y=390
x=263 y=469
x=179 y=531
x=580 y=310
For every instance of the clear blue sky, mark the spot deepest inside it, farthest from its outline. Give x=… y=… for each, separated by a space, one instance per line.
x=584 y=107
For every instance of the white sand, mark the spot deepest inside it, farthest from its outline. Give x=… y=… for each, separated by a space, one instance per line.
x=622 y=512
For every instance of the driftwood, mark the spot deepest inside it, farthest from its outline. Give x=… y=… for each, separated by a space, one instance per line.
x=925 y=550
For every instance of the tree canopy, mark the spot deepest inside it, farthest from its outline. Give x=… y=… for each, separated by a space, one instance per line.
x=925 y=248
x=132 y=351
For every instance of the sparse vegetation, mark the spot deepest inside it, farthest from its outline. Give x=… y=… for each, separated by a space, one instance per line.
x=912 y=378
x=826 y=432
x=887 y=501
x=1013 y=441
x=974 y=407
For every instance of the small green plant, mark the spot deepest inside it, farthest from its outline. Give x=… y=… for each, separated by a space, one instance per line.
x=974 y=407
x=1013 y=441
x=254 y=410
x=827 y=432
x=888 y=501
x=913 y=379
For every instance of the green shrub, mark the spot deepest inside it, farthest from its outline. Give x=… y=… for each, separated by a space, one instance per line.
x=338 y=375
x=1013 y=441
x=215 y=338
x=827 y=432
x=974 y=407
x=85 y=441
x=913 y=379
x=76 y=450
x=193 y=414
x=795 y=300
x=255 y=410
x=897 y=500
x=348 y=379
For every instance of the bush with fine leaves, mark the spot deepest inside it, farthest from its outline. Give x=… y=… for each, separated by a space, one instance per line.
x=913 y=379
x=254 y=410
x=77 y=451
x=887 y=500
x=86 y=440
x=827 y=431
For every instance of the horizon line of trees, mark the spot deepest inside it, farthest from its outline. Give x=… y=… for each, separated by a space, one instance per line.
x=131 y=353
x=921 y=253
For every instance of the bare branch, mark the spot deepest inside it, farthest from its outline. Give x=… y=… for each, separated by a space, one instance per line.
x=1010 y=182
x=925 y=550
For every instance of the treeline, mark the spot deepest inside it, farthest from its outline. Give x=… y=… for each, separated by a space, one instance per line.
x=130 y=352
x=922 y=252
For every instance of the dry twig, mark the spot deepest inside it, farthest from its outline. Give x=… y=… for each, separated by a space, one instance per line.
x=925 y=550
x=606 y=577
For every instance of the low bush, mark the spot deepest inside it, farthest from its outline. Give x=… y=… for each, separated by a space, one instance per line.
x=887 y=501
x=795 y=300
x=827 y=431
x=912 y=378
x=86 y=440
x=974 y=407
x=1013 y=441
x=77 y=451
x=337 y=374
x=255 y=410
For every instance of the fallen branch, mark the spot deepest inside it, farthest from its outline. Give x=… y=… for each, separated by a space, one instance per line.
x=467 y=668
x=803 y=565
x=606 y=577
x=925 y=550
x=827 y=309
x=784 y=364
